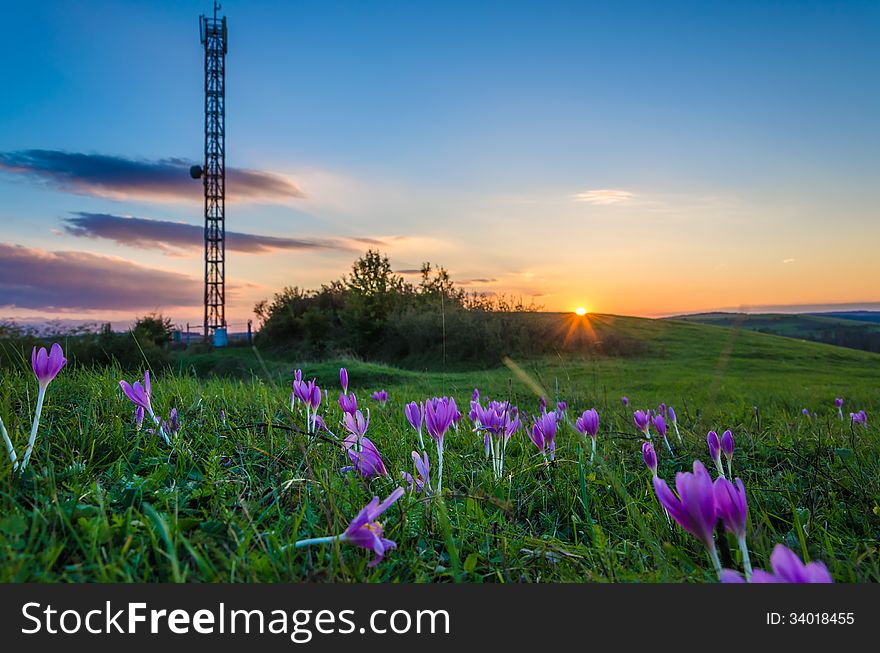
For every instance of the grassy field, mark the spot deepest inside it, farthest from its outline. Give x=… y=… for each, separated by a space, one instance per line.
x=104 y=502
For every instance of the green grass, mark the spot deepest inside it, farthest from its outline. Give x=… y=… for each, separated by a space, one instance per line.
x=104 y=502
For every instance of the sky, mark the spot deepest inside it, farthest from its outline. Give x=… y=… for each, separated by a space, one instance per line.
x=637 y=158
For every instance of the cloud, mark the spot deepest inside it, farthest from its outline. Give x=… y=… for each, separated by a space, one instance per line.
x=163 y=180
x=603 y=196
x=788 y=260
x=78 y=281
x=171 y=236
x=475 y=282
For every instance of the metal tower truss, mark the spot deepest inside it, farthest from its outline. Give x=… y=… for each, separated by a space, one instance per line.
x=213 y=36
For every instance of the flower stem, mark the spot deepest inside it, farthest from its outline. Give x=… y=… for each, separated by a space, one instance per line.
x=12 y=455
x=41 y=395
x=713 y=556
x=747 y=563
x=315 y=540
x=439 y=466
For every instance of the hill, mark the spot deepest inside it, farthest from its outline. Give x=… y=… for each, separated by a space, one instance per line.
x=859 y=330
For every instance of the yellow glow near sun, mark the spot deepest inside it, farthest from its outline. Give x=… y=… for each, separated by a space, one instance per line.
x=581 y=310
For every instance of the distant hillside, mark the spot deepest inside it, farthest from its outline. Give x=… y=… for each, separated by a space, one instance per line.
x=855 y=330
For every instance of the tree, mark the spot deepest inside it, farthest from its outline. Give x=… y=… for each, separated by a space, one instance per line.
x=153 y=328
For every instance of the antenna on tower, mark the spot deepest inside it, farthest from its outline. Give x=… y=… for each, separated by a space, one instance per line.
x=212 y=32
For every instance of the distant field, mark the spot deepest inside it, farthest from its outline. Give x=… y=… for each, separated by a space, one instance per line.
x=855 y=330
x=104 y=502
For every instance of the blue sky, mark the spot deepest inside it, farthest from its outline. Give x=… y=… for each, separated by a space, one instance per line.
x=643 y=158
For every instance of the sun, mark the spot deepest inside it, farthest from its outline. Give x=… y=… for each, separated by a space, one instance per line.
x=581 y=310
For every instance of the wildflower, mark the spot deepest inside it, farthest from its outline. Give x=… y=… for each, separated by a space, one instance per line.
x=414 y=416
x=806 y=412
x=859 y=418
x=439 y=413
x=343 y=380
x=498 y=422
x=45 y=367
x=223 y=416
x=139 y=417
x=694 y=508
x=715 y=451
x=727 y=449
x=730 y=501
x=839 y=403
x=364 y=530
x=561 y=407
x=641 y=420
x=674 y=422
x=650 y=457
x=543 y=434
x=139 y=394
x=660 y=425
x=381 y=396
x=348 y=403
x=787 y=568
x=421 y=481
x=356 y=424
x=624 y=400
x=588 y=424
x=365 y=456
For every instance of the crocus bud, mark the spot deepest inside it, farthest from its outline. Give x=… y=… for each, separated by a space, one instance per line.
x=624 y=400
x=838 y=402
x=650 y=457
x=343 y=380
x=641 y=419
x=727 y=444
x=671 y=412
x=715 y=451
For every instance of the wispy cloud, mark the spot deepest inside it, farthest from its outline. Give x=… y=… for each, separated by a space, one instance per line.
x=77 y=281
x=603 y=196
x=174 y=237
x=162 y=180
x=788 y=260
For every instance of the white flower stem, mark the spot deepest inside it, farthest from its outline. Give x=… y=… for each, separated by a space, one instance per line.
x=41 y=395
x=315 y=540
x=593 y=452
x=747 y=562
x=713 y=556
x=719 y=467
x=729 y=468
x=421 y=441
x=439 y=466
x=12 y=455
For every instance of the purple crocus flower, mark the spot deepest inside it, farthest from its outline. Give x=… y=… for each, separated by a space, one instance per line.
x=624 y=400
x=642 y=420
x=414 y=416
x=730 y=501
x=838 y=402
x=787 y=568
x=543 y=434
x=348 y=403
x=561 y=407
x=381 y=396
x=694 y=508
x=650 y=457
x=365 y=456
x=421 y=481
x=139 y=394
x=139 y=417
x=588 y=424
x=47 y=365
x=727 y=449
x=806 y=412
x=343 y=380
x=859 y=418
x=715 y=451
x=660 y=424
x=439 y=413
x=356 y=424
x=364 y=530
x=498 y=421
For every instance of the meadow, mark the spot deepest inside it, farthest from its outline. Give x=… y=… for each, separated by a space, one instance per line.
x=103 y=500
